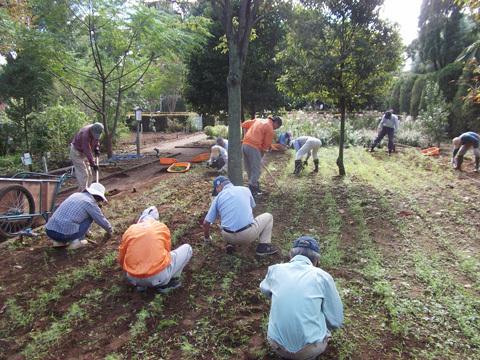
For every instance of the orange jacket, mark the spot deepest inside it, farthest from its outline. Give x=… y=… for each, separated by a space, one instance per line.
x=248 y=124
x=145 y=248
x=260 y=134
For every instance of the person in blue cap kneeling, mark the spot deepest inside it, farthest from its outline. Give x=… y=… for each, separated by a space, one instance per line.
x=234 y=205
x=306 y=305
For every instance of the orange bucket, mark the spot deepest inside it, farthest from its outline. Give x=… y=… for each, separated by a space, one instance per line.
x=430 y=151
x=167 y=161
x=201 y=157
x=277 y=147
x=185 y=165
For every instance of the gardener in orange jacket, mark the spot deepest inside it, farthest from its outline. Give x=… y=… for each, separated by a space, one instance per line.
x=145 y=254
x=256 y=142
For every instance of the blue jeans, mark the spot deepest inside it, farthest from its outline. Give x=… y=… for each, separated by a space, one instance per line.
x=385 y=131
x=82 y=229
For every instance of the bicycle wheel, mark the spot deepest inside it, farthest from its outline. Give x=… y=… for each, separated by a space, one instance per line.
x=15 y=200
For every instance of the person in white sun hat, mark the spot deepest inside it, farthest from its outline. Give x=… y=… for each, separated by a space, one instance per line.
x=72 y=219
x=218 y=159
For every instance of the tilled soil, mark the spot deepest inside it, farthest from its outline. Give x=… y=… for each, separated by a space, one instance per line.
x=101 y=311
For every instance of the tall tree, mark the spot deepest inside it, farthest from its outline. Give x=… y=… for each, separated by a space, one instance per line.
x=340 y=50
x=15 y=16
x=23 y=85
x=237 y=18
x=206 y=89
x=442 y=34
x=114 y=45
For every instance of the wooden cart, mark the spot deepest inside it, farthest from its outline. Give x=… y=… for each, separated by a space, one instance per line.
x=24 y=196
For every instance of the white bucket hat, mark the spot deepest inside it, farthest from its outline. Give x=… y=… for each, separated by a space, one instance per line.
x=97 y=189
x=215 y=151
x=150 y=212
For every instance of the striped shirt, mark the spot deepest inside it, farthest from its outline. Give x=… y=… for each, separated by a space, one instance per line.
x=76 y=208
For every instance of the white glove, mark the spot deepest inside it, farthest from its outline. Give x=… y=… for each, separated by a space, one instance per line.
x=207 y=240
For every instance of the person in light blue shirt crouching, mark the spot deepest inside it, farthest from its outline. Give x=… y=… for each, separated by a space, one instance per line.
x=239 y=227
x=306 y=306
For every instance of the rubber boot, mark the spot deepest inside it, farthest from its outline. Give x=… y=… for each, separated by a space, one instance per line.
x=298 y=167
x=316 y=165
x=459 y=162
x=477 y=160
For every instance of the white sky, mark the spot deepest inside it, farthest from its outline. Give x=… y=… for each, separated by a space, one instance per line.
x=405 y=13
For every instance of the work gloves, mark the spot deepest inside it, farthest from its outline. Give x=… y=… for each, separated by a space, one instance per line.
x=207 y=240
x=97 y=152
x=95 y=167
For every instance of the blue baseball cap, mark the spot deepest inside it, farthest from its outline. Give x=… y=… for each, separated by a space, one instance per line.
x=219 y=180
x=307 y=242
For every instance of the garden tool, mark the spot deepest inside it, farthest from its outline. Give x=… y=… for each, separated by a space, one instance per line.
x=96 y=171
x=268 y=172
x=315 y=161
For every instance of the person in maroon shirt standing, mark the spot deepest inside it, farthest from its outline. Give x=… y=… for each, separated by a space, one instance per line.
x=85 y=141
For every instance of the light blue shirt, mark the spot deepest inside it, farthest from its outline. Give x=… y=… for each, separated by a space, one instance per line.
x=305 y=303
x=284 y=139
x=225 y=144
x=391 y=123
x=234 y=205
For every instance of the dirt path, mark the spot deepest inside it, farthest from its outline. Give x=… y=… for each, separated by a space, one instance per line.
x=136 y=175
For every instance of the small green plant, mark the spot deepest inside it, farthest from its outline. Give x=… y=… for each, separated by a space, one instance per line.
x=174 y=125
x=435 y=117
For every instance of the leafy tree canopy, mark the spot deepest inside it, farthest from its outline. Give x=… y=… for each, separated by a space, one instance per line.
x=340 y=49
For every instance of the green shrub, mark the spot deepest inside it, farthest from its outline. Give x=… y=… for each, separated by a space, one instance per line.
x=360 y=129
x=435 y=117
x=216 y=131
x=174 y=125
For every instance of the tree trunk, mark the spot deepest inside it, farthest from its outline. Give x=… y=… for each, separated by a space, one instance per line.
x=234 y=81
x=252 y=111
x=341 y=168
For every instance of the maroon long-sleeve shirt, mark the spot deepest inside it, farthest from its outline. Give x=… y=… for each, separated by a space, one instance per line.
x=85 y=142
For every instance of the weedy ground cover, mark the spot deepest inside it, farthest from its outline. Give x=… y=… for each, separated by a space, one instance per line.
x=398 y=234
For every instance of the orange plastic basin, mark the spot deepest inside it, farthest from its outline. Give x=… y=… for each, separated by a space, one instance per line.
x=277 y=147
x=167 y=161
x=184 y=164
x=430 y=151
x=201 y=157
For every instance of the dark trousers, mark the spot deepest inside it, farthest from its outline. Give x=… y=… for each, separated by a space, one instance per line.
x=218 y=163
x=83 y=227
x=385 y=131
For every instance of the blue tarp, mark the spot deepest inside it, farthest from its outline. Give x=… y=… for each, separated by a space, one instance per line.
x=129 y=156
